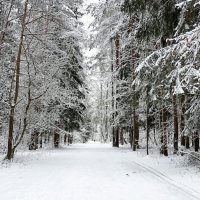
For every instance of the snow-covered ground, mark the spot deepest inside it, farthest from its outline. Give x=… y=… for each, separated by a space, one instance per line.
x=95 y=171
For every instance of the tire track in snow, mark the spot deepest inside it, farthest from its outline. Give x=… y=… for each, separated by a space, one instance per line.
x=191 y=193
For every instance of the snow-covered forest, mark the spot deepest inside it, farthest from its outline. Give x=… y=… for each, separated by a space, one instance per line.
x=43 y=88
x=148 y=64
x=116 y=80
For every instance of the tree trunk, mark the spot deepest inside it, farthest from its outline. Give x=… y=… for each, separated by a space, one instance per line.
x=56 y=140
x=37 y=139
x=135 y=102
x=122 y=136
x=187 y=142
x=117 y=137
x=10 y=150
x=182 y=124
x=117 y=56
x=70 y=139
x=113 y=96
x=196 y=141
x=101 y=115
x=45 y=137
x=65 y=139
x=135 y=131
x=131 y=136
x=148 y=128
x=164 y=121
x=161 y=128
x=41 y=142
x=106 y=114
x=175 y=116
x=34 y=141
x=147 y=118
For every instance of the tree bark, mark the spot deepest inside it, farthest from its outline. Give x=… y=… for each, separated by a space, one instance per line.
x=122 y=136
x=41 y=140
x=175 y=117
x=161 y=128
x=56 y=140
x=117 y=56
x=135 y=131
x=196 y=141
x=65 y=139
x=182 y=123
x=106 y=114
x=34 y=141
x=187 y=142
x=117 y=137
x=10 y=150
x=148 y=128
x=135 y=102
x=112 y=94
x=164 y=121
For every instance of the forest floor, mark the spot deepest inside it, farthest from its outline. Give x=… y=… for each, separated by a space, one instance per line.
x=95 y=171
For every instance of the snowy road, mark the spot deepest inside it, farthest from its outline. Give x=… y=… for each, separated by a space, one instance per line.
x=88 y=172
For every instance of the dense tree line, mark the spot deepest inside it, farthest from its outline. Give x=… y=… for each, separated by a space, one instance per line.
x=42 y=84
x=149 y=63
